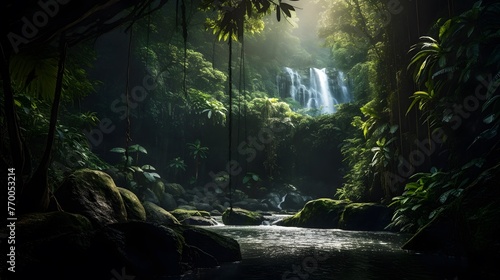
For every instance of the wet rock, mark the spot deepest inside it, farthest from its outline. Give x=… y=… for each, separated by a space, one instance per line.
x=93 y=194
x=135 y=210
x=293 y=201
x=365 y=216
x=156 y=214
x=319 y=213
x=238 y=216
x=222 y=248
x=181 y=214
x=199 y=221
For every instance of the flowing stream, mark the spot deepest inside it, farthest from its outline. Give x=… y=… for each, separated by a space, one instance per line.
x=274 y=252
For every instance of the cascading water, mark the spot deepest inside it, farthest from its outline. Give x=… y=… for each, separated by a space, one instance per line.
x=320 y=92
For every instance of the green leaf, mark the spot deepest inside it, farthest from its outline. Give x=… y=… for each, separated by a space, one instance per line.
x=118 y=150
x=148 y=167
x=246 y=179
x=149 y=177
x=255 y=177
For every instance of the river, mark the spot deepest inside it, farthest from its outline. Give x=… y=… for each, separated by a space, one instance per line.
x=289 y=253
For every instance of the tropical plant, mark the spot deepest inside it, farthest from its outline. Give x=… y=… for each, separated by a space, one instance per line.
x=198 y=152
x=144 y=175
x=175 y=166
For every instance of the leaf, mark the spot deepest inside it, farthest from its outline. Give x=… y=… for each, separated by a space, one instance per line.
x=255 y=177
x=149 y=177
x=246 y=179
x=148 y=167
x=118 y=150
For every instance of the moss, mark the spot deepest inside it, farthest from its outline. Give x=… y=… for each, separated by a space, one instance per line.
x=135 y=210
x=238 y=216
x=182 y=214
x=318 y=213
x=365 y=216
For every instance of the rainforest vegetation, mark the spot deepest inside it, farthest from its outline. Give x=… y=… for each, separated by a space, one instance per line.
x=188 y=92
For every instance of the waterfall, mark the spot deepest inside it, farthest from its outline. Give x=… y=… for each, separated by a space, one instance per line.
x=282 y=200
x=320 y=92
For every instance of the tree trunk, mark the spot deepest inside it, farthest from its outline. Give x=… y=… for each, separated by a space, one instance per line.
x=35 y=196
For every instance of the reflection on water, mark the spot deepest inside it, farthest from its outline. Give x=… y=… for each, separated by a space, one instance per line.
x=273 y=252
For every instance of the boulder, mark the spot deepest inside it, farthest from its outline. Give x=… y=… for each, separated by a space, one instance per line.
x=238 y=216
x=182 y=214
x=365 y=216
x=51 y=245
x=40 y=226
x=167 y=201
x=135 y=210
x=199 y=221
x=156 y=214
x=174 y=189
x=319 y=213
x=222 y=248
x=124 y=246
x=93 y=194
x=293 y=201
x=203 y=206
x=148 y=195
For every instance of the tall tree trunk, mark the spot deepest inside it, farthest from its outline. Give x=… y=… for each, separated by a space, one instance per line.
x=35 y=196
x=18 y=155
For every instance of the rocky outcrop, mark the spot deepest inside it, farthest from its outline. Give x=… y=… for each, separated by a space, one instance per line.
x=93 y=194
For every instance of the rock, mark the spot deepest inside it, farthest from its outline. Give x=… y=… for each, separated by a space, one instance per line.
x=156 y=214
x=222 y=248
x=93 y=194
x=365 y=216
x=124 y=245
x=187 y=207
x=135 y=210
x=158 y=188
x=272 y=200
x=181 y=214
x=39 y=226
x=238 y=216
x=239 y=195
x=219 y=208
x=215 y=212
x=293 y=201
x=51 y=245
x=167 y=201
x=174 y=189
x=319 y=213
x=198 y=258
x=199 y=221
x=203 y=206
x=148 y=195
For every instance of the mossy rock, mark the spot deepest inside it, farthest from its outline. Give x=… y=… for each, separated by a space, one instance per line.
x=238 y=216
x=174 y=189
x=182 y=214
x=93 y=194
x=318 y=213
x=156 y=214
x=135 y=210
x=365 y=217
